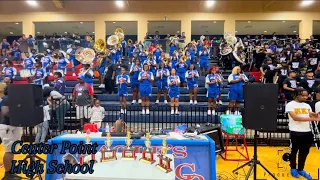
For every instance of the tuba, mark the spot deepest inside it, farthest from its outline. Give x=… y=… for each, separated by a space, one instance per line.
x=240 y=57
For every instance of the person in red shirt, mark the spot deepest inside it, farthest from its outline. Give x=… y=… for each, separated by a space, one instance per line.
x=82 y=99
x=151 y=48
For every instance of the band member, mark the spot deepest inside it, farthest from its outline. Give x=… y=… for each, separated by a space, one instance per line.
x=174 y=92
x=157 y=53
x=146 y=79
x=236 y=81
x=174 y=60
x=135 y=70
x=309 y=83
x=181 y=68
x=40 y=74
x=136 y=50
x=123 y=81
x=87 y=72
x=9 y=71
x=113 y=55
x=123 y=48
x=268 y=71
x=192 y=76
x=130 y=53
x=213 y=82
x=199 y=48
x=289 y=85
x=300 y=115
x=28 y=62
x=162 y=75
x=72 y=56
x=204 y=60
x=62 y=63
x=151 y=62
x=47 y=62
x=102 y=68
x=173 y=47
x=143 y=55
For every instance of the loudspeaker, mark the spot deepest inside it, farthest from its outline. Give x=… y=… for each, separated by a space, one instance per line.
x=25 y=105
x=213 y=132
x=260 y=106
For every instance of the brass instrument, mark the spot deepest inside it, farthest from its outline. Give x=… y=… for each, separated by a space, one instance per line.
x=181 y=50
x=202 y=38
x=129 y=41
x=165 y=61
x=174 y=52
x=183 y=59
x=119 y=32
x=113 y=40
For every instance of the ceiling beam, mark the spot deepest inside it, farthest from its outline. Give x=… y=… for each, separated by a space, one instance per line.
x=58 y=4
x=271 y=2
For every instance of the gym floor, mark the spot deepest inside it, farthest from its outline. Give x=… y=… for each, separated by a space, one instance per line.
x=271 y=157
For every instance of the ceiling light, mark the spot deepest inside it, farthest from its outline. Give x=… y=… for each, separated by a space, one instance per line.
x=65 y=32
x=11 y=32
x=81 y=22
x=17 y=23
x=32 y=3
x=113 y=22
x=236 y=31
x=210 y=3
x=38 y=32
x=120 y=4
x=307 y=2
x=265 y=31
x=283 y=21
x=214 y=21
x=294 y=31
x=92 y=32
x=249 y=21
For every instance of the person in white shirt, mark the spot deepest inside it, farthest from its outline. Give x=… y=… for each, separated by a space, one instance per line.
x=97 y=113
x=300 y=115
x=44 y=127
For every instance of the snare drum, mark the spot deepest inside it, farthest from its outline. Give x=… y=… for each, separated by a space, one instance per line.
x=25 y=73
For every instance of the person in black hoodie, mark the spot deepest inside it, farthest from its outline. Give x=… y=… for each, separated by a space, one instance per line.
x=268 y=70
x=309 y=83
x=313 y=60
x=289 y=85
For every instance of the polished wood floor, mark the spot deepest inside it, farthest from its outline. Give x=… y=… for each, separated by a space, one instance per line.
x=269 y=157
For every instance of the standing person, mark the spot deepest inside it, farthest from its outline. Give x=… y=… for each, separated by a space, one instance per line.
x=162 y=75
x=204 y=60
x=59 y=83
x=43 y=127
x=213 y=82
x=157 y=53
x=146 y=79
x=109 y=77
x=9 y=71
x=123 y=81
x=82 y=99
x=289 y=85
x=236 y=81
x=47 y=62
x=72 y=56
x=124 y=46
x=192 y=76
x=28 y=62
x=221 y=84
x=40 y=74
x=9 y=135
x=62 y=63
x=130 y=53
x=181 y=68
x=101 y=68
x=300 y=115
x=309 y=83
x=135 y=70
x=268 y=71
x=174 y=92
x=88 y=74
x=97 y=113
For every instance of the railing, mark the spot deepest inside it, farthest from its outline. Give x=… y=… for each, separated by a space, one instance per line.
x=164 y=43
x=64 y=119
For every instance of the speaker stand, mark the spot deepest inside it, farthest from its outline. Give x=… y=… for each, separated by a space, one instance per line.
x=33 y=157
x=254 y=162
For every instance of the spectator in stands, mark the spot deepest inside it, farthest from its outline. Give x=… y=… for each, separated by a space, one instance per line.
x=313 y=60
x=30 y=42
x=9 y=135
x=59 y=83
x=309 y=83
x=97 y=113
x=4 y=47
x=300 y=114
x=204 y=60
x=43 y=128
x=295 y=64
x=213 y=82
x=268 y=71
x=135 y=70
x=88 y=74
x=82 y=100
x=9 y=71
x=62 y=63
x=122 y=82
x=40 y=74
x=109 y=77
x=71 y=52
x=162 y=75
x=289 y=85
x=192 y=76
x=174 y=92
x=236 y=80
x=16 y=53
x=156 y=37
x=146 y=79
x=282 y=74
x=88 y=39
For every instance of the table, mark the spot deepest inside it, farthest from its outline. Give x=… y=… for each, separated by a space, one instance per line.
x=192 y=158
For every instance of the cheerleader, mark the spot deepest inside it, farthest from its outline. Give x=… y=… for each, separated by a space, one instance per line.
x=174 y=92
x=46 y=62
x=213 y=82
x=9 y=71
x=181 y=68
x=204 y=60
x=130 y=53
x=162 y=75
x=39 y=74
x=236 y=81
x=135 y=70
x=122 y=82
x=157 y=53
x=146 y=79
x=192 y=76
x=62 y=63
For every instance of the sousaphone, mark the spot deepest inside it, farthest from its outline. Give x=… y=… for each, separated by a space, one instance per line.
x=78 y=54
x=113 y=40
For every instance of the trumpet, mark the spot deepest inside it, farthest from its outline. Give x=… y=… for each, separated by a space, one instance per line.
x=183 y=59
x=174 y=52
x=165 y=61
x=129 y=41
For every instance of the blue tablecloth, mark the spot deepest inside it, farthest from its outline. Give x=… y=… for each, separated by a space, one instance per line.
x=193 y=158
